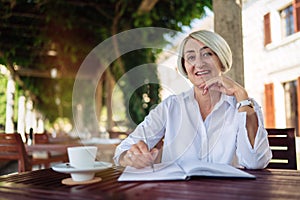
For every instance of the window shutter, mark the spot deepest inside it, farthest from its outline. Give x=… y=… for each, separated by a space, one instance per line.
x=269 y=106
x=267 y=27
x=296 y=13
x=298 y=104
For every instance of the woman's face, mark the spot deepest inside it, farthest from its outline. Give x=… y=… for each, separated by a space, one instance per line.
x=200 y=62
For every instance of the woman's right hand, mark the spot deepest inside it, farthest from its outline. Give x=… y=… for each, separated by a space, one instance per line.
x=138 y=156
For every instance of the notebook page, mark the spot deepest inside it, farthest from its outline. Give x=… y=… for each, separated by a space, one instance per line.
x=163 y=171
x=199 y=168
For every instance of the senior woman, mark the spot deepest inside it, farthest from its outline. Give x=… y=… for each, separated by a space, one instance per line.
x=215 y=121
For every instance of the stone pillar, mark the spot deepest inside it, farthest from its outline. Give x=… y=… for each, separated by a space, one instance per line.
x=28 y=115
x=40 y=128
x=21 y=117
x=228 y=23
x=34 y=120
x=9 y=123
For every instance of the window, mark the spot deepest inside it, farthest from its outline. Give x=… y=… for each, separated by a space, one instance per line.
x=290 y=22
x=287 y=21
x=291 y=104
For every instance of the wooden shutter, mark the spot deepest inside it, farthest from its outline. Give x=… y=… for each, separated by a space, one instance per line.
x=296 y=13
x=269 y=106
x=267 y=27
x=298 y=104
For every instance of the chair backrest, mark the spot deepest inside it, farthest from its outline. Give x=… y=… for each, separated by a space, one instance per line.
x=117 y=134
x=283 y=146
x=13 y=148
x=38 y=138
x=41 y=138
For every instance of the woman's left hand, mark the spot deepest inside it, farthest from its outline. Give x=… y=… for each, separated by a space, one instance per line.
x=225 y=85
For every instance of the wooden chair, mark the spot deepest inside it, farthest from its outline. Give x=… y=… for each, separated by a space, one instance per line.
x=38 y=138
x=12 y=148
x=283 y=146
x=41 y=138
x=117 y=134
x=49 y=157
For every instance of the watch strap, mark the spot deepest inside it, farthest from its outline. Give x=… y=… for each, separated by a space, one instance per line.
x=246 y=102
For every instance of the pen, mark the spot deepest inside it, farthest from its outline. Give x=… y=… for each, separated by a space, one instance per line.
x=146 y=140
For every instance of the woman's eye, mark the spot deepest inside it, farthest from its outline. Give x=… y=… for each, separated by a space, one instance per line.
x=191 y=58
x=207 y=54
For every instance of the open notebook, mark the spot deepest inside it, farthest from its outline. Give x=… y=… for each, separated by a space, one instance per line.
x=174 y=171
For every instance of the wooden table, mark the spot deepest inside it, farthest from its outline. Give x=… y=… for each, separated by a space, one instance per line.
x=46 y=184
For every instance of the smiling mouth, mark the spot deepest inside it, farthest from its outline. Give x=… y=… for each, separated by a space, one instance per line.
x=200 y=73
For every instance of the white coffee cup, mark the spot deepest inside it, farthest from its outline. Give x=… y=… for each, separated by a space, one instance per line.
x=82 y=158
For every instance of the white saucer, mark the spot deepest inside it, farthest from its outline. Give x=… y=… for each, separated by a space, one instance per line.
x=67 y=168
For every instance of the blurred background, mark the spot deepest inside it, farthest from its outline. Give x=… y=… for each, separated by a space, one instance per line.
x=44 y=42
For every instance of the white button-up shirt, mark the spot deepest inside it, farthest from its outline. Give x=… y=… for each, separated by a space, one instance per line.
x=220 y=138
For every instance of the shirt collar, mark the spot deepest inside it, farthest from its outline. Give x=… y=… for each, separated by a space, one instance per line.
x=228 y=99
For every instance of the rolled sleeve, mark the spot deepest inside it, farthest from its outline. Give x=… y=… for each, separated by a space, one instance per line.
x=123 y=146
x=259 y=156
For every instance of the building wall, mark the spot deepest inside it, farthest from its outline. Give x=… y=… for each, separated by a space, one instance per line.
x=277 y=62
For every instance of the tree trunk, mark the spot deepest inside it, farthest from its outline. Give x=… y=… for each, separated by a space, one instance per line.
x=228 y=23
x=99 y=93
x=109 y=89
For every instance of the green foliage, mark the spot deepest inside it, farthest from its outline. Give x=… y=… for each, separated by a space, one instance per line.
x=16 y=104
x=30 y=28
x=3 y=83
x=139 y=107
x=172 y=14
x=56 y=96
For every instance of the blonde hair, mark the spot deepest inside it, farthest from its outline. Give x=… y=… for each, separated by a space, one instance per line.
x=212 y=40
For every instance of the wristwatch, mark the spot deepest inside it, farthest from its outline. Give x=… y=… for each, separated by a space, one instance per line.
x=247 y=102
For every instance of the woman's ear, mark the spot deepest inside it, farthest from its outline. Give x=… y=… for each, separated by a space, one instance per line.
x=223 y=69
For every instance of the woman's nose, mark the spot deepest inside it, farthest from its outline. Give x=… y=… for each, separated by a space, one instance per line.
x=198 y=62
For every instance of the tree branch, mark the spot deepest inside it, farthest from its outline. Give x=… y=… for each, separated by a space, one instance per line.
x=118 y=13
x=146 y=6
